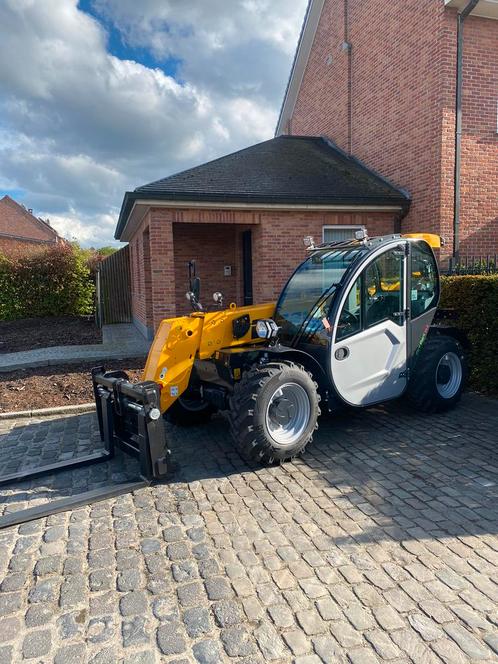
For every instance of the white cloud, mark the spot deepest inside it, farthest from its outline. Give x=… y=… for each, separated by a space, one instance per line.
x=79 y=126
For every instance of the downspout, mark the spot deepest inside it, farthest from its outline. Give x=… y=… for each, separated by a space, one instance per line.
x=458 y=125
x=346 y=46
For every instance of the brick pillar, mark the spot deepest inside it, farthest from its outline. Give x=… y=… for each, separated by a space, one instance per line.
x=147 y=277
x=162 y=266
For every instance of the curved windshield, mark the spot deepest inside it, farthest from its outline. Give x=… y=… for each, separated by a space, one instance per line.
x=306 y=299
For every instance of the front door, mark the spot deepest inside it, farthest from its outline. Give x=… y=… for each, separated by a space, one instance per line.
x=369 y=350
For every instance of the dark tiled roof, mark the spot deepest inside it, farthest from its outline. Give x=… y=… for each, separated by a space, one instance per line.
x=284 y=170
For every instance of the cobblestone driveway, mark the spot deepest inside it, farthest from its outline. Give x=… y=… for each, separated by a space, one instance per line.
x=379 y=545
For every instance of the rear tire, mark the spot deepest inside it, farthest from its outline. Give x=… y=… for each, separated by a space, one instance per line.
x=189 y=411
x=274 y=411
x=439 y=375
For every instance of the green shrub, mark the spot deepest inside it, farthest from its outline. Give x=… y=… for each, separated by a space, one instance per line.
x=54 y=282
x=475 y=298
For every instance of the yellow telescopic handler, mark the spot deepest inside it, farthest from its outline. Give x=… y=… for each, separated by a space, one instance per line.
x=356 y=324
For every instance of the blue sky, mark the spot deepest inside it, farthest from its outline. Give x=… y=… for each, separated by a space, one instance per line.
x=98 y=97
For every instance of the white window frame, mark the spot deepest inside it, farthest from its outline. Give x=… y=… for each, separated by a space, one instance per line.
x=342 y=227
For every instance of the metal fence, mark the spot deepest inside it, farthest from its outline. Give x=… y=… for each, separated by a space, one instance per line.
x=114 y=289
x=471 y=265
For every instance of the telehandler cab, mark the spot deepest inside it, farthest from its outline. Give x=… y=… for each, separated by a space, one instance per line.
x=355 y=325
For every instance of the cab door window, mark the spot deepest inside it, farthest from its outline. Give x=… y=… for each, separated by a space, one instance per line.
x=350 y=320
x=383 y=290
x=424 y=290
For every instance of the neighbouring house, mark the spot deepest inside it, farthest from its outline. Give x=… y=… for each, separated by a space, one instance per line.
x=21 y=232
x=367 y=138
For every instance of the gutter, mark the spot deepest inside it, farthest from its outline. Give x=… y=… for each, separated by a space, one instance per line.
x=469 y=7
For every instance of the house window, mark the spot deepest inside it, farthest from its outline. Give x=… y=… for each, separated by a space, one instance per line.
x=340 y=233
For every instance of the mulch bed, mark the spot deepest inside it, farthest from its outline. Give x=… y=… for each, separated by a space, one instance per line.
x=58 y=385
x=31 y=333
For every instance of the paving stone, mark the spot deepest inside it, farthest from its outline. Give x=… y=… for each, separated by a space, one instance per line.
x=143 y=657
x=388 y=618
x=9 y=629
x=362 y=656
x=6 y=655
x=101 y=629
x=297 y=641
x=36 y=644
x=71 y=624
x=227 y=613
x=328 y=650
x=281 y=615
x=44 y=591
x=218 y=588
x=449 y=652
x=382 y=644
x=38 y=614
x=359 y=617
x=129 y=579
x=310 y=622
x=197 y=621
x=409 y=641
x=466 y=641
x=72 y=654
x=170 y=639
x=426 y=627
x=133 y=603
x=135 y=631
x=206 y=652
x=492 y=641
x=328 y=609
x=269 y=642
x=346 y=636
x=237 y=642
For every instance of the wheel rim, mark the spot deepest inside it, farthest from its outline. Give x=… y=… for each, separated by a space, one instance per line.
x=449 y=375
x=288 y=414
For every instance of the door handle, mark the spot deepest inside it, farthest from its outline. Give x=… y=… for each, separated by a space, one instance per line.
x=341 y=353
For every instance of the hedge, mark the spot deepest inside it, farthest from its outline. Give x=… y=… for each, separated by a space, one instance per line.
x=475 y=299
x=53 y=282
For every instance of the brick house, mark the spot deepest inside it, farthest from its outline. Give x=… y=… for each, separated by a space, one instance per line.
x=376 y=79
x=21 y=232
x=243 y=219
x=380 y=78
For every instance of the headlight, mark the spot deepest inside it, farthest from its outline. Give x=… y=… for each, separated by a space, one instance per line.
x=266 y=328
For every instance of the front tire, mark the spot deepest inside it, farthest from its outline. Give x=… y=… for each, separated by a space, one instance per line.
x=439 y=376
x=274 y=411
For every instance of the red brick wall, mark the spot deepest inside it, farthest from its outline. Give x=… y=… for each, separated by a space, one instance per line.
x=213 y=239
x=403 y=79
x=212 y=246
x=278 y=243
x=11 y=247
x=479 y=173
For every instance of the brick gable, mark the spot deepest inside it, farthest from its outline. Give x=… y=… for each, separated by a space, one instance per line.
x=19 y=224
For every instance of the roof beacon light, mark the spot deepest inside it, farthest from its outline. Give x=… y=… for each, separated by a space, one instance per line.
x=360 y=234
x=309 y=242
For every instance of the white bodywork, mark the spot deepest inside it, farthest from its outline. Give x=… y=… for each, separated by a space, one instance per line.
x=376 y=358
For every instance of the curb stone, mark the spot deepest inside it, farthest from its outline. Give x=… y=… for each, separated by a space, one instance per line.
x=57 y=410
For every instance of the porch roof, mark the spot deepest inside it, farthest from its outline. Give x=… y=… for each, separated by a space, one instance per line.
x=286 y=171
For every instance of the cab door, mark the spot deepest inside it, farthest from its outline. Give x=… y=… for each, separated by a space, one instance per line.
x=369 y=336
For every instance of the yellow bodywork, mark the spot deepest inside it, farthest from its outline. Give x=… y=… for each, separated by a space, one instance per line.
x=434 y=241
x=179 y=341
